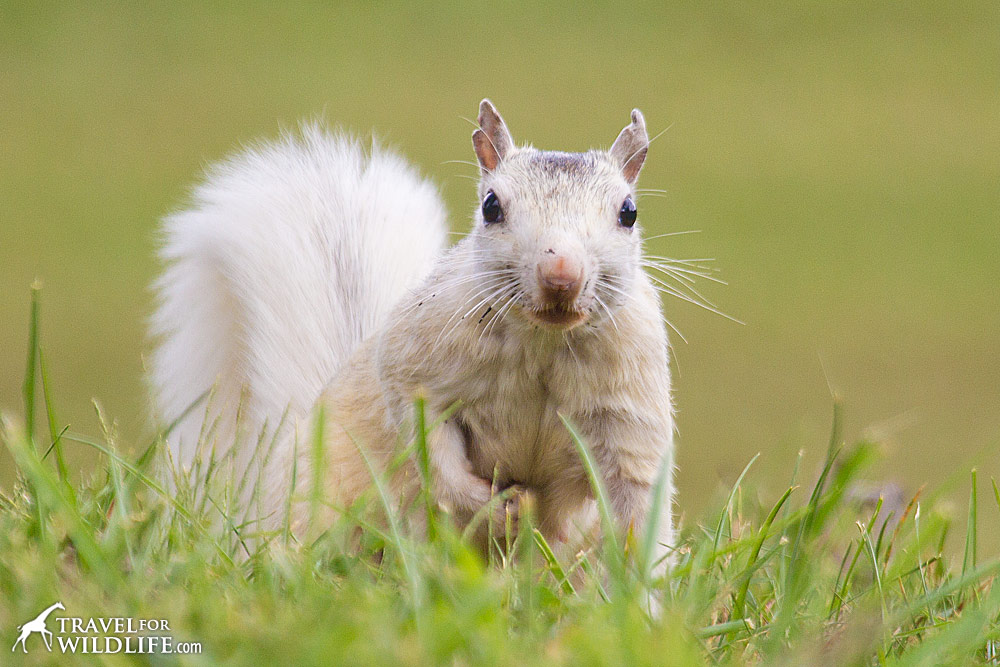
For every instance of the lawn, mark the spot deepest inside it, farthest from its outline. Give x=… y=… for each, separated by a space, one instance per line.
x=831 y=572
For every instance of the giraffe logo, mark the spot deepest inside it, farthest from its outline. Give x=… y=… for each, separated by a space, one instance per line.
x=37 y=625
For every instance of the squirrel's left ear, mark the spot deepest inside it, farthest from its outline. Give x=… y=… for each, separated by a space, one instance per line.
x=629 y=149
x=492 y=140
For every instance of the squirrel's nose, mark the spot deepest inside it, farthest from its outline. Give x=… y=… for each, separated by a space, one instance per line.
x=560 y=276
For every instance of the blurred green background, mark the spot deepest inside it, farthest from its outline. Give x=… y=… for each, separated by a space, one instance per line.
x=841 y=160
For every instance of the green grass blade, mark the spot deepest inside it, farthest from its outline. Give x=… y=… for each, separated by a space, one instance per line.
x=729 y=503
x=51 y=494
x=553 y=563
x=740 y=604
x=869 y=548
x=613 y=554
x=286 y=532
x=153 y=486
x=969 y=557
x=424 y=465
x=651 y=537
x=416 y=584
x=318 y=451
x=726 y=628
x=55 y=434
x=28 y=387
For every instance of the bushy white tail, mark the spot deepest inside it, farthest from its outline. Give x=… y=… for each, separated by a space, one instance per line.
x=291 y=254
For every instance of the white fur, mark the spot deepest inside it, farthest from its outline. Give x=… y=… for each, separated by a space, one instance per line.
x=291 y=254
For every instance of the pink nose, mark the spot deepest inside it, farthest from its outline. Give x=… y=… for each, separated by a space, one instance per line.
x=560 y=276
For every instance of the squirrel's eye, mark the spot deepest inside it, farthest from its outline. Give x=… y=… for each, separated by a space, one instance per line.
x=626 y=216
x=491 y=209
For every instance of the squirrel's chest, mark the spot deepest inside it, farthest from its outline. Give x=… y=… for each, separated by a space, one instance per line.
x=512 y=420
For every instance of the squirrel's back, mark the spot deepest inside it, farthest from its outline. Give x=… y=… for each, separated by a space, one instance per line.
x=290 y=255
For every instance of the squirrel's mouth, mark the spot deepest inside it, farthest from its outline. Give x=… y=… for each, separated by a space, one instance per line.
x=558 y=315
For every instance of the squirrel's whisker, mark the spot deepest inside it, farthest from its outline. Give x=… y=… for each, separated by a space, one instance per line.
x=441 y=287
x=669 y=289
x=689 y=272
x=660 y=236
x=684 y=282
x=569 y=346
x=468 y=162
x=694 y=263
x=494 y=290
x=501 y=313
x=490 y=289
x=611 y=316
x=679 y=276
x=629 y=295
x=677 y=271
x=446 y=331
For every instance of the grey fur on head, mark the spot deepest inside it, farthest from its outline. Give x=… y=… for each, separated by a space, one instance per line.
x=492 y=140
x=629 y=149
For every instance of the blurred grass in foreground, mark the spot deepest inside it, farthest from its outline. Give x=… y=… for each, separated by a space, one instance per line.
x=820 y=574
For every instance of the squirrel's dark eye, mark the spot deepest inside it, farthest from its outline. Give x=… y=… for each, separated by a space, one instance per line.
x=626 y=216
x=491 y=209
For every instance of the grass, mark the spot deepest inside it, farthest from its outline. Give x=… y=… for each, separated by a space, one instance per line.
x=824 y=574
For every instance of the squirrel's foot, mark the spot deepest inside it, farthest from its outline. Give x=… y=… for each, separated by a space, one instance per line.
x=520 y=502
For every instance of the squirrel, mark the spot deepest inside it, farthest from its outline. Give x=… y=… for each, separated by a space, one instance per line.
x=309 y=273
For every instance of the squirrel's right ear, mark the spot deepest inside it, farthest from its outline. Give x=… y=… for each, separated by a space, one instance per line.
x=492 y=140
x=629 y=149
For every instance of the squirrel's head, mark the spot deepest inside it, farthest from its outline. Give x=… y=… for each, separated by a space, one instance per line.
x=557 y=233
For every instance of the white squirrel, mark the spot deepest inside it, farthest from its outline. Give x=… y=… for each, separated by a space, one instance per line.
x=310 y=273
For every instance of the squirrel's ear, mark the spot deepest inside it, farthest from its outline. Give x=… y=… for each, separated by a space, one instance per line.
x=629 y=149
x=492 y=140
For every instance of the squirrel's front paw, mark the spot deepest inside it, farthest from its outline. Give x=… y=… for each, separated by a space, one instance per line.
x=520 y=501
